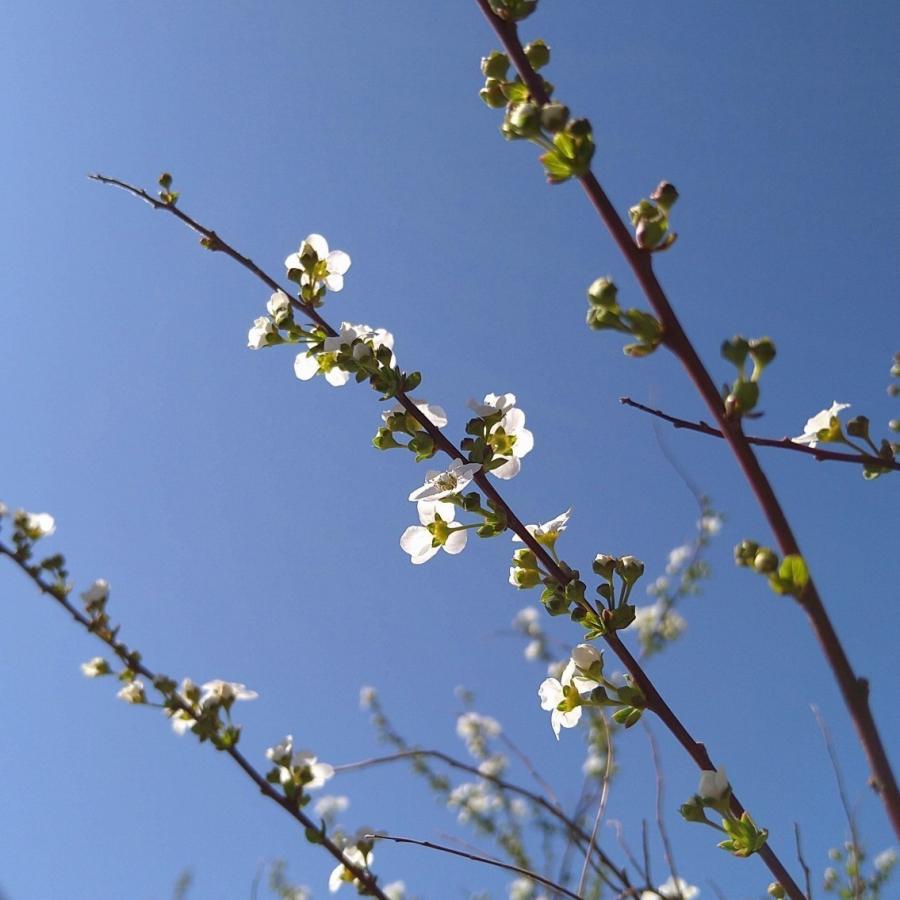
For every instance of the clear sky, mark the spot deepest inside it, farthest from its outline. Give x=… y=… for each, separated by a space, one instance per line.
x=247 y=527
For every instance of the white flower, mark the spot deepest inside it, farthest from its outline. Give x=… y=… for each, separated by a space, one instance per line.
x=331 y=806
x=316 y=773
x=533 y=649
x=673 y=889
x=342 y=874
x=508 y=438
x=367 y=696
x=258 y=336
x=4 y=509
x=584 y=656
x=434 y=414
x=713 y=785
x=396 y=890
x=454 y=479
x=470 y=725
x=678 y=557
x=310 y=363
x=40 y=524
x=280 y=754
x=133 y=692
x=95 y=668
x=548 y=532
x=97 y=593
x=711 y=524
x=886 y=860
x=182 y=723
x=330 y=267
x=224 y=693
x=278 y=305
x=493 y=765
x=553 y=693
x=422 y=543
x=819 y=422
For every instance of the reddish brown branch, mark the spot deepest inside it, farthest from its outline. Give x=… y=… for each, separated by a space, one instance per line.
x=853 y=688
x=655 y=703
x=859 y=459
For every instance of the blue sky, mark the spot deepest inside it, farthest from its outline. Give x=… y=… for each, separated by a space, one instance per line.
x=247 y=527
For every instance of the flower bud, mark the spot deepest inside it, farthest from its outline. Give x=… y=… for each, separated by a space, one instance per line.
x=538 y=54
x=579 y=128
x=858 y=427
x=665 y=195
x=524 y=119
x=776 y=890
x=165 y=181
x=745 y=552
x=492 y=94
x=762 y=350
x=524 y=578
x=765 y=561
x=495 y=65
x=525 y=558
x=629 y=568
x=554 y=117
x=603 y=293
x=736 y=350
x=604 y=565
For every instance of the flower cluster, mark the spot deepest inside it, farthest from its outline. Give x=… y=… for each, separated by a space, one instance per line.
x=499 y=437
x=356 y=349
x=605 y=314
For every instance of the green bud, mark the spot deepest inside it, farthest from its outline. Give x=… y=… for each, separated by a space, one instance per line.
x=579 y=128
x=736 y=350
x=604 y=565
x=665 y=195
x=762 y=350
x=765 y=561
x=525 y=578
x=525 y=558
x=495 y=65
x=649 y=233
x=776 y=890
x=605 y=591
x=554 y=117
x=492 y=94
x=538 y=54
x=895 y=370
x=743 y=398
x=524 y=119
x=693 y=811
x=600 y=319
x=471 y=501
x=629 y=569
x=745 y=553
x=603 y=293
x=858 y=427
x=165 y=180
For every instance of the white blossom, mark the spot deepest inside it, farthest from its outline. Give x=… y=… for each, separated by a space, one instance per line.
x=310 y=362
x=673 y=889
x=508 y=438
x=224 y=693
x=316 y=772
x=552 y=694
x=281 y=753
x=336 y=263
x=710 y=524
x=678 y=557
x=548 y=532
x=278 y=305
x=367 y=696
x=331 y=806
x=40 y=524
x=886 y=860
x=819 y=422
x=259 y=333
x=713 y=784
x=98 y=592
x=396 y=890
x=422 y=543
x=454 y=479
x=133 y=692
x=341 y=874
x=434 y=414
x=95 y=668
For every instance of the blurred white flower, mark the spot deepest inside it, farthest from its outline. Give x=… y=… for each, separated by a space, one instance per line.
x=341 y=874
x=95 y=668
x=224 y=693
x=133 y=692
x=673 y=889
x=713 y=784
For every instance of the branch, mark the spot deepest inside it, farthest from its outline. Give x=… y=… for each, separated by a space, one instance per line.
x=853 y=688
x=860 y=459
x=571 y=826
x=486 y=860
x=365 y=877
x=655 y=702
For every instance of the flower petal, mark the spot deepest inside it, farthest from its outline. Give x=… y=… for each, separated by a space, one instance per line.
x=456 y=542
x=305 y=367
x=319 y=244
x=338 y=262
x=334 y=282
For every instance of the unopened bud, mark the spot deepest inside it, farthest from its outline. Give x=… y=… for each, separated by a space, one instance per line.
x=492 y=94
x=604 y=565
x=745 y=552
x=765 y=561
x=538 y=54
x=665 y=195
x=495 y=65
x=603 y=293
x=630 y=568
x=762 y=350
x=554 y=117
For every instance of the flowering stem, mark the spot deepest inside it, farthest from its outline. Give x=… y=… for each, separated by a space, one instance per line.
x=365 y=877
x=655 y=702
x=578 y=834
x=861 y=459
x=855 y=690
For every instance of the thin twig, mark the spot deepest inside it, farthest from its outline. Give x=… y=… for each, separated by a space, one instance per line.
x=485 y=860
x=601 y=808
x=529 y=765
x=855 y=690
x=660 y=821
x=655 y=702
x=360 y=872
x=822 y=455
x=842 y=793
x=807 y=875
x=571 y=826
